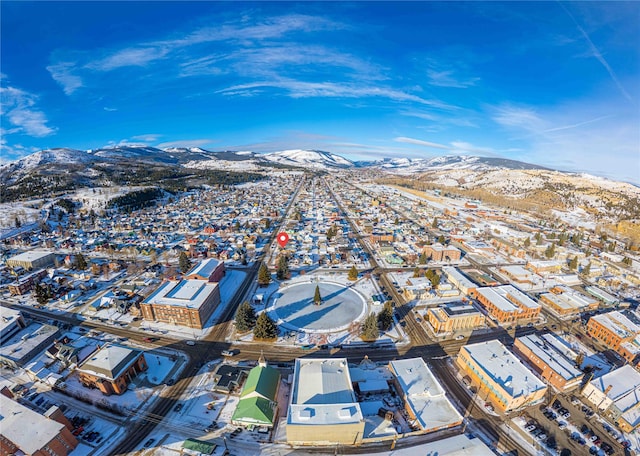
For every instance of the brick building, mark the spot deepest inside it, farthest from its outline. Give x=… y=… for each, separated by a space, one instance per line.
x=454 y=316
x=619 y=331
x=507 y=304
x=112 y=368
x=182 y=302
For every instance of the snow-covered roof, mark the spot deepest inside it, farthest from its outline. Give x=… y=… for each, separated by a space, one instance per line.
x=322 y=393
x=554 y=352
x=185 y=293
x=30 y=256
x=27 y=429
x=9 y=318
x=507 y=298
x=205 y=268
x=504 y=368
x=624 y=392
x=424 y=394
x=20 y=346
x=455 y=275
x=110 y=361
x=618 y=323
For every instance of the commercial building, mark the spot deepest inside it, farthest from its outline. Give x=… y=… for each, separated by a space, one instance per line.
x=182 y=302
x=454 y=316
x=416 y=288
x=618 y=330
x=211 y=270
x=500 y=378
x=424 y=398
x=34 y=259
x=25 y=343
x=465 y=285
x=507 y=304
x=10 y=324
x=323 y=409
x=23 y=431
x=617 y=395
x=551 y=358
x=542 y=266
x=112 y=368
x=567 y=302
x=607 y=298
x=439 y=252
x=258 y=405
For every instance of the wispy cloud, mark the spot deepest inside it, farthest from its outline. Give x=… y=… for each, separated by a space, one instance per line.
x=147 y=138
x=447 y=78
x=62 y=73
x=138 y=56
x=454 y=147
x=19 y=108
x=595 y=52
x=420 y=142
x=187 y=143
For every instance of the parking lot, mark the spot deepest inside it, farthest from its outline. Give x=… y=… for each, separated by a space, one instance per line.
x=574 y=426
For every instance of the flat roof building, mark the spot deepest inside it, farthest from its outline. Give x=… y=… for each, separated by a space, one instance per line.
x=35 y=259
x=25 y=343
x=567 y=302
x=500 y=377
x=454 y=316
x=507 y=304
x=618 y=330
x=182 y=302
x=23 y=431
x=462 y=282
x=424 y=398
x=211 y=270
x=551 y=358
x=323 y=409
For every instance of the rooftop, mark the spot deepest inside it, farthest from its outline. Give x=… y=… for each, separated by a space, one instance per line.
x=185 y=293
x=507 y=298
x=205 y=268
x=27 y=429
x=32 y=255
x=554 y=352
x=504 y=368
x=110 y=361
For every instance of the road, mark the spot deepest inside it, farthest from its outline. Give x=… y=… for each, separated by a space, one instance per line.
x=211 y=346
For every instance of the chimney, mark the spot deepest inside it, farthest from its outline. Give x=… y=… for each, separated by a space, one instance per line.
x=607 y=389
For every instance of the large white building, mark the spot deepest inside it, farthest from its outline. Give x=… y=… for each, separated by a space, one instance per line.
x=323 y=409
x=425 y=399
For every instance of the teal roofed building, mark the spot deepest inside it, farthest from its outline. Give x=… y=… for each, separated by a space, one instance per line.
x=258 y=403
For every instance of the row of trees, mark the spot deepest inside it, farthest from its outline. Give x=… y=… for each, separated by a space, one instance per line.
x=373 y=324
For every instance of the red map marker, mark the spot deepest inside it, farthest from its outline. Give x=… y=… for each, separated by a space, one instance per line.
x=283 y=238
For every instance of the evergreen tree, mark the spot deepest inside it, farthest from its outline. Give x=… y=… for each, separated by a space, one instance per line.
x=17 y=222
x=41 y=294
x=538 y=238
x=527 y=242
x=282 y=271
x=264 y=278
x=441 y=239
x=434 y=224
x=245 y=317
x=423 y=258
x=236 y=227
x=626 y=260
x=551 y=251
x=370 y=328
x=353 y=273
x=417 y=272
x=433 y=277
x=317 y=299
x=573 y=264
x=265 y=327
x=587 y=269
x=80 y=263
x=184 y=262
x=267 y=224
x=385 y=317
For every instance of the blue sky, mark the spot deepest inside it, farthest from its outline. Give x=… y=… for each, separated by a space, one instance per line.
x=552 y=83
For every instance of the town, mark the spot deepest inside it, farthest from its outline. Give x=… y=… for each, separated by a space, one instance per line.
x=317 y=310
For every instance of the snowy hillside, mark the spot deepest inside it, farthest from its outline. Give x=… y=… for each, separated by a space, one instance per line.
x=451 y=162
x=46 y=157
x=309 y=158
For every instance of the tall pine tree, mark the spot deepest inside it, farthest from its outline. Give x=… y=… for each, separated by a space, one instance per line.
x=282 y=271
x=184 y=263
x=245 y=317
x=264 y=277
x=385 y=317
x=317 y=299
x=353 y=273
x=370 y=328
x=265 y=328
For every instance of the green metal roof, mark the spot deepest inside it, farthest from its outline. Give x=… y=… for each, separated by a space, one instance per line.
x=199 y=446
x=263 y=381
x=254 y=410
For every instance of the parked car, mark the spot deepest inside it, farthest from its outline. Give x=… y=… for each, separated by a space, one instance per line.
x=178 y=407
x=148 y=443
x=190 y=343
x=228 y=352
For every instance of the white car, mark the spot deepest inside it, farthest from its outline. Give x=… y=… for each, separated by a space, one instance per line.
x=190 y=342
x=460 y=337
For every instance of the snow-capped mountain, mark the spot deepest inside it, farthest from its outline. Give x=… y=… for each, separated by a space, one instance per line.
x=451 y=162
x=50 y=156
x=316 y=159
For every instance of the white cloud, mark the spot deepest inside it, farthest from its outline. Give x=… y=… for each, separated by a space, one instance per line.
x=420 y=142
x=19 y=109
x=147 y=138
x=61 y=72
x=186 y=143
x=139 y=56
x=447 y=78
